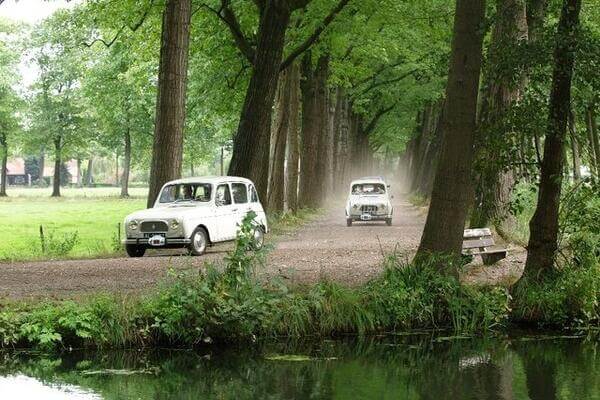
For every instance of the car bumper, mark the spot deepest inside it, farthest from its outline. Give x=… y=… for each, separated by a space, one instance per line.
x=168 y=241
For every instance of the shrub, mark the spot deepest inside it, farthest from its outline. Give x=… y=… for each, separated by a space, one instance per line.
x=55 y=245
x=419 y=296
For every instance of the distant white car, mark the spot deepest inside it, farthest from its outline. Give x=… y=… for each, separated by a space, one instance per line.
x=195 y=213
x=369 y=200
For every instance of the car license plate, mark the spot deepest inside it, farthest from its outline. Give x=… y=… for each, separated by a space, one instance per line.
x=366 y=217
x=156 y=240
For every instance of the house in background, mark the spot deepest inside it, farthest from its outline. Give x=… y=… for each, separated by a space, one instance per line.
x=17 y=176
x=15 y=172
x=72 y=169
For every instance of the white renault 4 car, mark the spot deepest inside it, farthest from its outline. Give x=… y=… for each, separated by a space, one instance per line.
x=194 y=213
x=369 y=200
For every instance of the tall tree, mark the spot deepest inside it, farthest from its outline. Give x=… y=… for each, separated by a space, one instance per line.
x=167 y=151
x=57 y=112
x=251 y=142
x=443 y=230
x=293 y=149
x=505 y=82
x=280 y=133
x=9 y=100
x=543 y=240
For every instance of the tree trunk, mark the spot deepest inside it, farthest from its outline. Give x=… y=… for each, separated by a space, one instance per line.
x=42 y=182
x=79 y=173
x=167 y=150
x=504 y=88
x=322 y=119
x=293 y=155
x=57 y=164
x=117 y=169
x=594 y=140
x=309 y=192
x=3 y=163
x=575 y=153
x=443 y=230
x=543 y=226
x=251 y=145
x=536 y=13
x=89 y=174
x=276 y=183
x=126 y=164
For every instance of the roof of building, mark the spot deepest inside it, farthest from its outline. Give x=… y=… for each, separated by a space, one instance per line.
x=16 y=166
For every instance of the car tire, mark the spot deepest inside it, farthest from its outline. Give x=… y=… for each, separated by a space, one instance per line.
x=259 y=238
x=348 y=221
x=134 y=250
x=388 y=221
x=199 y=242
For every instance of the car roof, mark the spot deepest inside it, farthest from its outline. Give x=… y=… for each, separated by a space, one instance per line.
x=369 y=179
x=209 y=179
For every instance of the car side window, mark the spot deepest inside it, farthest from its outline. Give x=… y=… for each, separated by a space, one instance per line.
x=240 y=193
x=253 y=194
x=223 y=195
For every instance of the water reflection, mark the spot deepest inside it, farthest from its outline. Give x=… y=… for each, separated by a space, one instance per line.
x=407 y=367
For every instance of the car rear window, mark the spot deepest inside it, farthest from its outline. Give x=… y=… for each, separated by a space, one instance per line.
x=240 y=193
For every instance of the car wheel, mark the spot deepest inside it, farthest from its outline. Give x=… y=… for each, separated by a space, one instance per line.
x=199 y=242
x=348 y=221
x=259 y=238
x=388 y=221
x=133 y=250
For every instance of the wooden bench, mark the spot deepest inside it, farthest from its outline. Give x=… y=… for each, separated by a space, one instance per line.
x=480 y=242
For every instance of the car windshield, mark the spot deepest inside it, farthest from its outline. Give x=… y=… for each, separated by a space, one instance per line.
x=368 y=188
x=186 y=192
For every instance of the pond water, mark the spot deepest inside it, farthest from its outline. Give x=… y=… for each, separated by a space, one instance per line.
x=411 y=366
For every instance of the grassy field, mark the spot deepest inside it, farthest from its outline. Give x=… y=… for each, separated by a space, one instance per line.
x=92 y=214
x=82 y=223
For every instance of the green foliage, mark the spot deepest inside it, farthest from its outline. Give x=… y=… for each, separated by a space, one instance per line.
x=59 y=245
x=570 y=296
x=420 y=296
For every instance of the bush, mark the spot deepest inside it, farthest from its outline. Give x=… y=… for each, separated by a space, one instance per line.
x=419 y=296
x=55 y=245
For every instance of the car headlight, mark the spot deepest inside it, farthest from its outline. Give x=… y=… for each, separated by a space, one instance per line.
x=355 y=206
x=133 y=225
x=174 y=224
x=382 y=207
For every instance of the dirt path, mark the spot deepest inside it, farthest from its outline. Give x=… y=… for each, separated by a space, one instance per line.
x=322 y=248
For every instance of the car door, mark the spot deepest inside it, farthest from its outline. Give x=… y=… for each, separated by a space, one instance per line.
x=239 y=191
x=226 y=216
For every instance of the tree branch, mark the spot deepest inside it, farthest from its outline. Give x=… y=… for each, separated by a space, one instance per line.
x=133 y=28
x=315 y=35
x=226 y=14
x=387 y=82
x=380 y=113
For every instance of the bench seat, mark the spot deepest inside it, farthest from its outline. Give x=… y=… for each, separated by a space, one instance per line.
x=479 y=241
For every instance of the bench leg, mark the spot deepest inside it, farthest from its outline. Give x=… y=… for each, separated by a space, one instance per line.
x=491 y=258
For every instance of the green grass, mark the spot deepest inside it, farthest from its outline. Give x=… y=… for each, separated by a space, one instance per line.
x=90 y=213
x=93 y=213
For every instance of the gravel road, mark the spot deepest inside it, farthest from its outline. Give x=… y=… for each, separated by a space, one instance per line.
x=323 y=248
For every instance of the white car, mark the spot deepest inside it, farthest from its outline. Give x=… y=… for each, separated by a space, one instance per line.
x=195 y=213
x=369 y=200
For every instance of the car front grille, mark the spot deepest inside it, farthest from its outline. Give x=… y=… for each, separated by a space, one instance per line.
x=154 y=226
x=368 y=209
